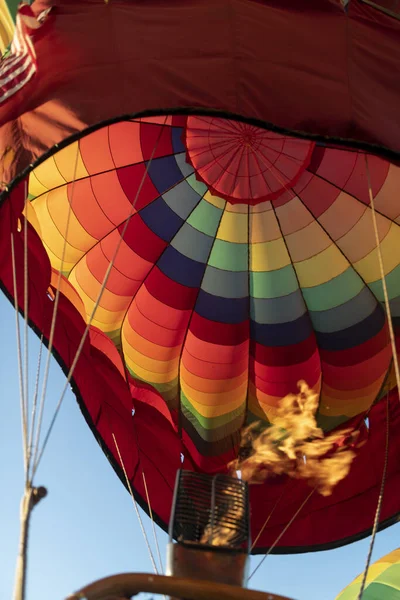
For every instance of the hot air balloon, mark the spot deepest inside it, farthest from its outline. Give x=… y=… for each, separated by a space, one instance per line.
x=383 y=580
x=206 y=202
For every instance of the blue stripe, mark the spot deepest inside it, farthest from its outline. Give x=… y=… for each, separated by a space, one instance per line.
x=281 y=334
x=355 y=335
x=177 y=142
x=161 y=219
x=222 y=310
x=164 y=173
x=181 y=269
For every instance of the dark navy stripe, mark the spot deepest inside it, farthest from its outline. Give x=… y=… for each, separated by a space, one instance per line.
x=355 y=335
x=177 y=141
x=164 y=173
x=180 y=268
x=282 y=334
x=161 y=220
x=222 y=310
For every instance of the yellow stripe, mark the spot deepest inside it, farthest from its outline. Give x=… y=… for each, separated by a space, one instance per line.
x=106 y=318
x=55 y=261
x=148 y=363
x=48 y=175
x=79 y=241
x=373 y=572
x=321 y=268
x=6 y=26
x=242 y=209
x=269 y=256
x=214 y=200
x=151 y=348
x=234 y=227
x=69 y=292
x=150 y=376
x=30 y=213
x=69 y=164
x=35 y=188
x=214 y=405
x=368 y=267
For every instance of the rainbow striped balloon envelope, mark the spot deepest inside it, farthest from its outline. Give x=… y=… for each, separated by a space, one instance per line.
x=218 y=264
x=383 y=580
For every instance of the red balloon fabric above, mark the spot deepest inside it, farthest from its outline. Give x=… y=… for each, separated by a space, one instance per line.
x=251 y=58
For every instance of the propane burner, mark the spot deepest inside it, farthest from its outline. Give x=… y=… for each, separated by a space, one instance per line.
x=210 y=525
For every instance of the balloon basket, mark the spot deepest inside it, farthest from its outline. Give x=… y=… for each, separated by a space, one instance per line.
x=209 y=529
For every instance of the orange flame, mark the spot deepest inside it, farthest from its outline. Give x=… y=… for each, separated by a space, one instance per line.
x=219 y=534
x=294 y=445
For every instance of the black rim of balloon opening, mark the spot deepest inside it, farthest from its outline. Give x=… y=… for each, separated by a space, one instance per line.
x=341 y=143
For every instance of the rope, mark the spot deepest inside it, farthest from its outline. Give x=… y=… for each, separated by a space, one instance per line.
x=152 y=521
x=282 y=533
x=128 y=483
x=97 y=302
x=53 y=321
x=378 y=507
x=26 y=348
x=34 y=406
x=268 y=518
x=20 y=368
x=383 y=279
x=397 y=374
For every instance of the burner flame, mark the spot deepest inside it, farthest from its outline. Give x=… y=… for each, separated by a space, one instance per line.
x=295 y=446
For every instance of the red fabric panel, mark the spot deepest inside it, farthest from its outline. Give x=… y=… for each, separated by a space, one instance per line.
x=351 y=508
x=302 y=65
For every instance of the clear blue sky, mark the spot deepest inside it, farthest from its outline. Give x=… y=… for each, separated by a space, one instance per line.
x=86 y=528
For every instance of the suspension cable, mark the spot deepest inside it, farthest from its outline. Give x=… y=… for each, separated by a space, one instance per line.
x=378 y=506
x=284 y=530
x=34 y=407
x=53 y=320
x=269 y=517
x=397 y=374
x=97 y=302
x=128 y=483
x=152 y=521
x=20 y=367
x=26 y=346
x=383 y=279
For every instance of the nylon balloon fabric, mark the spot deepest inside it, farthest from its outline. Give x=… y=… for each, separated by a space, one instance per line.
x=98 y=60
x=383 y=580
x=236 y=261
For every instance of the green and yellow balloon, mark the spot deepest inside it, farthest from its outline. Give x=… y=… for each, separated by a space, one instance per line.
x=383 y=581
x=8 y=11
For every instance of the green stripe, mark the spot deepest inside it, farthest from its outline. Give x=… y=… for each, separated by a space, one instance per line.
x=273 y=284
x=380 y=591
x=392 y=283
x=169 y=391
x=335 y=292
x=205 y=218
x=206 y=424
x=12 y=7
x=197 y=185
x=229 y=256
x=391 y=577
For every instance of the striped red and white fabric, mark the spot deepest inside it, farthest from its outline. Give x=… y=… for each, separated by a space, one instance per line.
x=20 y=65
